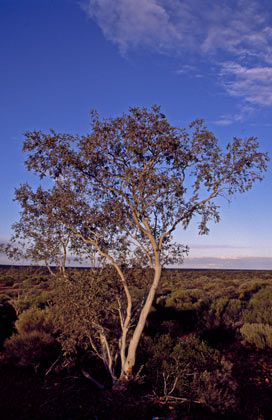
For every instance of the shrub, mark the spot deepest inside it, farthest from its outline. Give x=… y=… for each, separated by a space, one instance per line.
x=217 y=389
x=84 y=306
x=258 y=334
x=41 y=299
x=34 y=319
x=33 y=343
x=30 y=349
x=260 y=307
x=184 y=299
x=224 y=312
x=249 y=288
x=192 y=370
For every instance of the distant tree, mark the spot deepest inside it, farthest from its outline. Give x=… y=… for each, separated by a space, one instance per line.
x=35 y=237
x=39 y=238
x=125 y=187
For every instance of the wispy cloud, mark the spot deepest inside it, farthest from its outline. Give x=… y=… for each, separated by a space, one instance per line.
x=130 y=24
x=234 y=36
x=224 y=121
x=187 y=68
x=244 y=110
x=254 y=84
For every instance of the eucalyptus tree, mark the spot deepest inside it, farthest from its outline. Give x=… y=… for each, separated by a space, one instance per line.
x=36 y=237
x=127 y=185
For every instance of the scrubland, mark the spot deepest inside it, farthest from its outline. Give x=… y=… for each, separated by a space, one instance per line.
x=205 y=352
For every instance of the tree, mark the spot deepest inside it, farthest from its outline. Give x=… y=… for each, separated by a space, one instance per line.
x=39 y=238
x=125 y=187
x=36 y=237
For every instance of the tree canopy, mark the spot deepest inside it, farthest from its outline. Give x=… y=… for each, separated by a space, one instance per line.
x=123 y=189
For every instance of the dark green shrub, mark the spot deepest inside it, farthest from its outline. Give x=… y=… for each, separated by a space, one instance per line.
x=224 y=312
x=258 y=334
x=192 y=370
x=33 y=343
x=248 y=289
x=41 y=299
x=217 y=389
x=260 y=307
x=84 y=306
x=34 y=319
x=184 y=299
x=30 y=349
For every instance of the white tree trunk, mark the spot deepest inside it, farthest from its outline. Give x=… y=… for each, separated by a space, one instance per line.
x=131 y=355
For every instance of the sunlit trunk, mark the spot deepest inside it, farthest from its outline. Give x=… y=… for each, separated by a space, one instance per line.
x=131 y=355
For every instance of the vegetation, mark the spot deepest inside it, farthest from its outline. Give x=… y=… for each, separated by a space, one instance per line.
x=115 y=198
x=203 y=359
x=118 y=195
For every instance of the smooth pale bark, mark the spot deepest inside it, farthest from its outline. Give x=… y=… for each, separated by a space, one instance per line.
x=131 y=355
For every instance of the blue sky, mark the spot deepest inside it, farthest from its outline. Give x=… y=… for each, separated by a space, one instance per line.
x=211 y=60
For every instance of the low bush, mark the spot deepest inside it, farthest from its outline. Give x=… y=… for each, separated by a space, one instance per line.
x=249 y=288
x=223 y=312
x=192 y=370
x=217 y=389
x=33 y=343
x=258 y=334
x=184 y=299
x=34 y=319
x=30 y=349
x=260 y=307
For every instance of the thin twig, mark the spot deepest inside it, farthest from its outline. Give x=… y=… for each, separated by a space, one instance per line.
x=98 y=384
x=52 y=366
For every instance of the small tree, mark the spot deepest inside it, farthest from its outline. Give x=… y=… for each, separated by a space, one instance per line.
x=125 y=187
x=36 y=237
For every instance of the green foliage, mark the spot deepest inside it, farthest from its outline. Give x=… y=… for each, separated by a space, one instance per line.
x=248 y=289
x=194 y=355
x=17 y=274
x=184 y=299
x=192 y=370
x=258 y=334
x=220 y=299
x=33 y=343
x=217 y=389
x=24 y=299
x=88 y=300
x=30 y=349
x=260 y=307
x=34 y=319
x=215 y=284
x=223 y=312
x=122 y=189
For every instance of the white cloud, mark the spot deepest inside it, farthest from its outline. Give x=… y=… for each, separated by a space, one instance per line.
x=254 y=84
x=224 y=121
x=130 y=23
x=233 y=35
x=227 y=119
x=186 y=68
